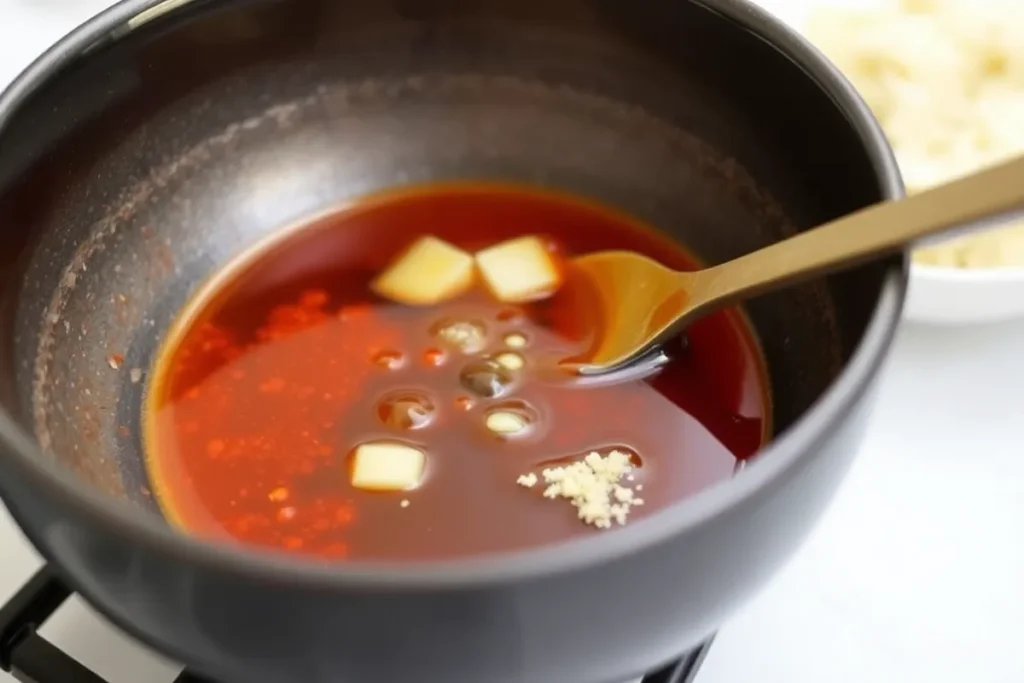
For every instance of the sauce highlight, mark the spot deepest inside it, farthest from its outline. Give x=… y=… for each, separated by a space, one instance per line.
x=264 y=393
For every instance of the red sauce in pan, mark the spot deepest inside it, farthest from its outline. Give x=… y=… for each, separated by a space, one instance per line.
x=279 y=369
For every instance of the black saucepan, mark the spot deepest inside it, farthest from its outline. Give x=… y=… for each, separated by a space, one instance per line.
x=160 y=139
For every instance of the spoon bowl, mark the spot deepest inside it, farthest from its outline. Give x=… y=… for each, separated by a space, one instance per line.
x=640 y=303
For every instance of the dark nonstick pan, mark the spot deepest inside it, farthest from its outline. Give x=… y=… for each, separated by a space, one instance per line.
x=160 y=139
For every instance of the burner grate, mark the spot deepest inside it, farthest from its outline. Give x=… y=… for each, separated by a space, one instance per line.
x=31 y=658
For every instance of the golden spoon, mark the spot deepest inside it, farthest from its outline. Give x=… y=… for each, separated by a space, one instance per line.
x=643 y=304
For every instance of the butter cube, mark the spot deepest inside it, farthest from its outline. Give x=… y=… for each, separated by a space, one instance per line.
x=520 y=269
x=387 y=466
x=428 y=272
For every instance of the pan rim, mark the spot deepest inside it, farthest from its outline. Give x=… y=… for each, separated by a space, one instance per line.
x=789 y=452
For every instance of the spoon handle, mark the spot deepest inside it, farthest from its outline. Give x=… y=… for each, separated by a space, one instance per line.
x=982 y=199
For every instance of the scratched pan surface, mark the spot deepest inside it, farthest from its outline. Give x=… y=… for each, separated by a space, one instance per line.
x=166 y=148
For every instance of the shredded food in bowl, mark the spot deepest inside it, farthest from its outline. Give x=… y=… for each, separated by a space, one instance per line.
x=946 y=80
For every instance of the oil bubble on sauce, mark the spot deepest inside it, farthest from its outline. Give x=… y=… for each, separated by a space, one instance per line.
x=515 y=340
x=468 y=336
x=434 y=358
x=510 y=360
x=406 y=409
x=511 y=419
x=389 y=359
x=487 y=378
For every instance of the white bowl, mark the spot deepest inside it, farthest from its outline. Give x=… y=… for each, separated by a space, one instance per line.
x=955 y=296
x=945 y=296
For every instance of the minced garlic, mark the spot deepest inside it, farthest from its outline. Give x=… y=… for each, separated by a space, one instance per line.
x=527 y=480
x=593 y=486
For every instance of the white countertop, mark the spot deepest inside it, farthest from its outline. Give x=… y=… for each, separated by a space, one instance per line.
x=916 y=573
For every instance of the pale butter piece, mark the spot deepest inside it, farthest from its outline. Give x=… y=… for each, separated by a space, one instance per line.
x=387 y=466
x=430 y=271
x=520 y=269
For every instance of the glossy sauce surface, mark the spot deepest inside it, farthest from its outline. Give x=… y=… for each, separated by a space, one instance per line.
x=259 y=400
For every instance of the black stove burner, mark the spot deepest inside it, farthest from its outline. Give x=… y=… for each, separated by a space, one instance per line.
x=30 y=658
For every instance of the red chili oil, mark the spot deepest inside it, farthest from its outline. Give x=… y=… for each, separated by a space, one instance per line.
x=278 y=369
